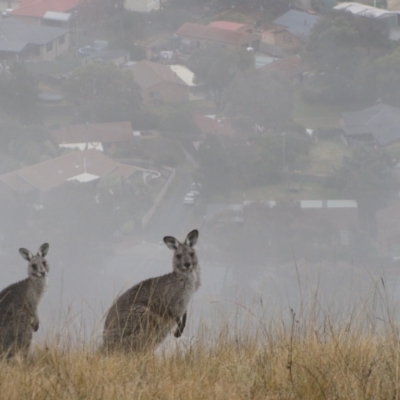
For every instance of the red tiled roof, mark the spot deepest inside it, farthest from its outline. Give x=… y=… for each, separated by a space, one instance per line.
x=288 y=66
x=210 y=33
x=227 y=25
x=148 y=74
x=37 y=8
x=105 y=132
x=55 y=172
x=213 y=125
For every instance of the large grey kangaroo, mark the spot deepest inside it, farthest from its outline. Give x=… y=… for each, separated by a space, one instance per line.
x=19 y=303
x=142 y=317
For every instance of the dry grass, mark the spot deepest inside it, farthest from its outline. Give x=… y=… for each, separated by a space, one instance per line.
x=310 y=356
x=325 y=155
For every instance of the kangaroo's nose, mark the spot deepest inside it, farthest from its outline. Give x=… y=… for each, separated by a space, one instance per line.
x=187 y=264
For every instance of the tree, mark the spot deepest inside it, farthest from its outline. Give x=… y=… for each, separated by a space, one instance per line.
x=386 y=70
x=22 y=145
x=255 y=100
x=333 y=51
x=19 y=94
x=216 y=68
x=213 y=172
x=365 y=177
x=103 y=93
x=98 y=212
x=179 y=121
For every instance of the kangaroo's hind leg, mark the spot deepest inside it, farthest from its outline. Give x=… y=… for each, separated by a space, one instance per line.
x=181 y=325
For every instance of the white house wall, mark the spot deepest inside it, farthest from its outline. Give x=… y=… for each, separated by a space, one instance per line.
x=58 y=49
x=142 y=5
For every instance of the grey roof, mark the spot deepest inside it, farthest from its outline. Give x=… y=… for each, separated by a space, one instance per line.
x=12 y=47
x=107 y=55
x=12 y=30
x=298 y=23
x=381 y=121
x=57 y=16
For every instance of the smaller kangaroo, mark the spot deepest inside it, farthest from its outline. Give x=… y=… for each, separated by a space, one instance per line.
x=142 y=317
x=19 y=303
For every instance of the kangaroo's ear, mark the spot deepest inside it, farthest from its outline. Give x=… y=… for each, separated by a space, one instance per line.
x=26 y=254
x=171 y=242
x=191 y=238
x=44 y=248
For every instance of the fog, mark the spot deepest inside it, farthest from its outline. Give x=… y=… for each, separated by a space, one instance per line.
x=295 y=192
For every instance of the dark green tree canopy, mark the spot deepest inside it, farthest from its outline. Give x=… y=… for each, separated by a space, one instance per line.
x=386 y=71
x=19 y=94
x=256 y=100
x=340 y=51
x=217 y=67
x=103 y=93
x=366 y=177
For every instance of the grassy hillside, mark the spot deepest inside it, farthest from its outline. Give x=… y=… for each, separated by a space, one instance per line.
x=310 y=356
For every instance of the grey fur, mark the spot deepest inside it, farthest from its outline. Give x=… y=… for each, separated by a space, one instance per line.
x=142 y=317
x=19 y=303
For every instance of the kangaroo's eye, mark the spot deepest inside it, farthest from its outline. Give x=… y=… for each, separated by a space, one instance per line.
x=34 y=266
x=44 y=263
x=179 y=256
x=192 y=254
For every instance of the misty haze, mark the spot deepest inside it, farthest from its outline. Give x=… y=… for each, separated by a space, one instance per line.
x=270 y=126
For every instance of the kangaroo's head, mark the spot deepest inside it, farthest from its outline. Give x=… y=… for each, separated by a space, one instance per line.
x=185 y=258
x=38 y=266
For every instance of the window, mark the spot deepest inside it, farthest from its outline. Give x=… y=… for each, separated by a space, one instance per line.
x=49 y=46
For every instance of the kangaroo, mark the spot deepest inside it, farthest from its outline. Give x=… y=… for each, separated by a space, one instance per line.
x=19 y=303
x=142 y=317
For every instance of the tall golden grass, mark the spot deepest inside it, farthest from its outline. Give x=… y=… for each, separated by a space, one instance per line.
x=290 y=362
x=314 y=354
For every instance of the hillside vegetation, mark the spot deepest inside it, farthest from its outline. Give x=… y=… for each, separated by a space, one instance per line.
x=314 y=355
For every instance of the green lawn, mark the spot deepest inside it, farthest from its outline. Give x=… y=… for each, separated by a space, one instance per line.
x=279 y=192
x=325 y=155
x=316 y=115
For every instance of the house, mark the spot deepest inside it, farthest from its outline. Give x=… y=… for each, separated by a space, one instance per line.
x=376 y=125
x=22 y=40
x=195 y=36
x=81 y=166
x=142 y=6
x=290 y=68
x=159 y=83
x=101 y=137
x=291 y=30
x=389 y=18
x=210 y=124
x=232 y=26
x=61 y=20
x=388 y=230
x=45 y=11
x=341 y=216
x=196 y=89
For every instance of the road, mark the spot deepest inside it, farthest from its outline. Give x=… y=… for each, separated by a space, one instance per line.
x=173 y=218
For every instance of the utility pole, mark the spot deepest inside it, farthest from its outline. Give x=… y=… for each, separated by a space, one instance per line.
x=284 y=150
